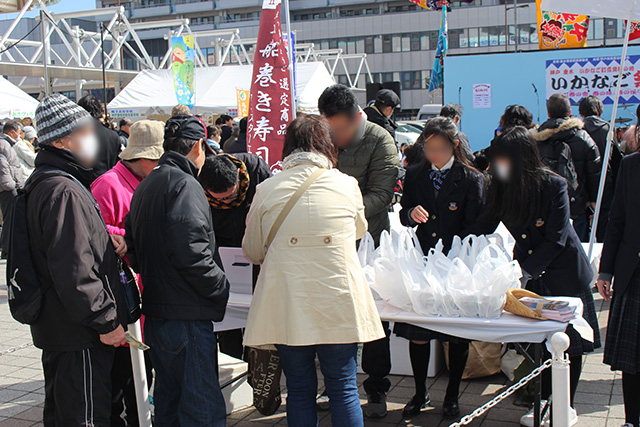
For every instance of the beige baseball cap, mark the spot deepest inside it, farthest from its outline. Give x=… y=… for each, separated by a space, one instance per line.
x=145 y=141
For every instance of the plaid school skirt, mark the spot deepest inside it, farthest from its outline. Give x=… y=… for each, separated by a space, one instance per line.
x=622 y=345
x=578 y=346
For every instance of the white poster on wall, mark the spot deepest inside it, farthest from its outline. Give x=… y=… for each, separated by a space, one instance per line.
x=482 y=95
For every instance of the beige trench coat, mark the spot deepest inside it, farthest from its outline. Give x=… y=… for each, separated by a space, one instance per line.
x=311 y=288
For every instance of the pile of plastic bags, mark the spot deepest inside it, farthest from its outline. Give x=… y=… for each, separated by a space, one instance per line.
x=470 y=281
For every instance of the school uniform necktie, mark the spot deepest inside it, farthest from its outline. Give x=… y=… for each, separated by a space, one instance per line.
x=438 y=177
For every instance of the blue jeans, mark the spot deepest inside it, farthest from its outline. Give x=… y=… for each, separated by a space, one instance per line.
x=187 y=390
x=339 y=366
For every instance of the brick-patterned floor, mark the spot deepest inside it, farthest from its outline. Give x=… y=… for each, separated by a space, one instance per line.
x=599 y=398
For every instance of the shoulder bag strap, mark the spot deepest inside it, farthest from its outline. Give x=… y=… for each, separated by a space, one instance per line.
x=290 y=204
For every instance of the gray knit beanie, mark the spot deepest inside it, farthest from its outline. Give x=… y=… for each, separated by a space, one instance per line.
x=57 y=116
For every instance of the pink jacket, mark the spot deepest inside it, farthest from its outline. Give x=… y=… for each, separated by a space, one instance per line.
x=113 y=191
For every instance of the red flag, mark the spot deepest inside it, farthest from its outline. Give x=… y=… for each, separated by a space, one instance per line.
x=634 y=34
x=270 y=101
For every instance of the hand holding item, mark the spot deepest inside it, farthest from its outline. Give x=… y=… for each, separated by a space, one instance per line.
x=604 y=287
x=119 y=244
x=419 y=215
x=115 y=338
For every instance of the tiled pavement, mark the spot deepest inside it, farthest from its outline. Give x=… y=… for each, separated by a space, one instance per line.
x=599 y=398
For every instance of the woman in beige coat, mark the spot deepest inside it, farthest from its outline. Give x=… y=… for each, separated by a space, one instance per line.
x=311 y=298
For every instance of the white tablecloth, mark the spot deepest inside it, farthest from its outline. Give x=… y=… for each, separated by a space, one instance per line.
x=507 y=328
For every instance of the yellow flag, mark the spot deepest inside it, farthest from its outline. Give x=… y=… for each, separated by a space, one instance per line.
x=243 y=102
x=561 y=30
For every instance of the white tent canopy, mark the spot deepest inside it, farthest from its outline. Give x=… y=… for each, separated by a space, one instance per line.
x=620 y=9
x=152 y=92
x=14 y=102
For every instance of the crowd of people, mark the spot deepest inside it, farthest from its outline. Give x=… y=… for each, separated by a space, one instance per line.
x=164 y=197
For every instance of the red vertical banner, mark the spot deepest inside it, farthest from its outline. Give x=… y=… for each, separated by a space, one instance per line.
x=270 y=100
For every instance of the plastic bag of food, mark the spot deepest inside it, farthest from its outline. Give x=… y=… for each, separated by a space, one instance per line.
x=367 y=251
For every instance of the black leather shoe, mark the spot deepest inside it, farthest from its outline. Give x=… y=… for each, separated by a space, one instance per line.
x=415 y=405
x=450 y=410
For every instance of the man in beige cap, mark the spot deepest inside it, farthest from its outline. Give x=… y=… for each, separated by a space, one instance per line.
x=113 y=192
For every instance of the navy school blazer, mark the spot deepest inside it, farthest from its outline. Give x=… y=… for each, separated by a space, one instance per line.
x=548 y=248
x=621 y=250
x=452 y=212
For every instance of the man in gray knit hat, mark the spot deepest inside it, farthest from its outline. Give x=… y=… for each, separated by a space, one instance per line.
x=83 y=309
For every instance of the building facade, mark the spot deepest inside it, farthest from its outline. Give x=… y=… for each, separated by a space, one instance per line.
x=398 y=37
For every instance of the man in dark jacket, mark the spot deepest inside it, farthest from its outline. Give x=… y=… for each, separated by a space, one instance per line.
x=239 y=145
x=230 y=183
x=585 y=156
x=366 y=152
x=591 y=108
x=109 y=142
x=226 y=124
x=454 y=112
x=83 y=308
x=125 y=125
x=11 y=176
x=382 y=110
x=171 y=244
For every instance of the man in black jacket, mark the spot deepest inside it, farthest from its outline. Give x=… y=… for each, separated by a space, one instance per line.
x=591 y=108
x=169 y=233
x=585 y=156
x=230 y=183
x=109 y=142
x=83 y=308
x=382 y=109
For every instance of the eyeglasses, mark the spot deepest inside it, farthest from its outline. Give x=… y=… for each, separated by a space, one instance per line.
x=230 y=198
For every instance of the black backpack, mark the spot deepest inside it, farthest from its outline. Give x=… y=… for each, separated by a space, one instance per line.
x=557 y=157
x=25 y=291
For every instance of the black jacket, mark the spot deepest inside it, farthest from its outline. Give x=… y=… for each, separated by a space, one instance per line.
x=549 y=248
x=229 y=224
x=74 y=258
x=455 y=209
x=226 y=132
x=110 y=146
x=598 y=129
x=375 y=116
x=239 y=145
x=621 y=250
x=172 y=245
x=584 y=153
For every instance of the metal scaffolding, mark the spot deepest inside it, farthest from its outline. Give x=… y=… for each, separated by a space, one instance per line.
x=77 y=61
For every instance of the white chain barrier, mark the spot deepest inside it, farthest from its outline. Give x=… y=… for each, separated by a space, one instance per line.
x=14 y=349
x=499 y=398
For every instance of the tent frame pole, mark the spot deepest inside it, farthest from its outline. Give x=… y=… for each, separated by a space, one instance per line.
x=610 y=136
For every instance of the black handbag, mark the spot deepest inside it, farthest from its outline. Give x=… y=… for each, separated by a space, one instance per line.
x=131 y=292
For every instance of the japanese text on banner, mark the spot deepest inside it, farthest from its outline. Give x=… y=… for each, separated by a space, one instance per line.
x=577 y=78
x=270 y=103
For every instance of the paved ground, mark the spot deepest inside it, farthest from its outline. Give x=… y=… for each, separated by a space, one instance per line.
x=599 y=399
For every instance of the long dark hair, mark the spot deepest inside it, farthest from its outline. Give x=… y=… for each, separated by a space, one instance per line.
x=310 y=133
x=447 y=129
x=517 y=200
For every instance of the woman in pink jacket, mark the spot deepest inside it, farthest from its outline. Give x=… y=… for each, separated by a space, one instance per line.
x=113 y=191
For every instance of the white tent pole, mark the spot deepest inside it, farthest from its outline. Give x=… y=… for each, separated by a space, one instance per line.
x=610 y=136
x=140 y=379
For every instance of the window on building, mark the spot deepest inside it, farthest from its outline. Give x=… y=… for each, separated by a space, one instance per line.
x=424 y=41
x=342 y=44
x=473 y=37
x=611 y=28
x=396 y=43
x=433 y=40
x=386 y=43
x=406 y=43
x=464 y=37
x=411 y=80
x=351 y=46
x=377 y=44
x=484 y=37
x=415 y=41
x=368 y=45
x=387 y=77
x=495 y=34
x=598 y=27
x=360 y=45
x=454 y=39
x=333 y=44
x=342 y=79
